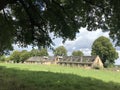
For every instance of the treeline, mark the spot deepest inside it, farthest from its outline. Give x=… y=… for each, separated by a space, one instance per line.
x=21 y=56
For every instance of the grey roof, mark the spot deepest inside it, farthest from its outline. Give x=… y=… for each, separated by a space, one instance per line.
x=38 y=59
x=78 y=59
x=33 y=59
x=83 y=59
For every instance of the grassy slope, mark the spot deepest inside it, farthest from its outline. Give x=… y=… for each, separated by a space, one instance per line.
x=41 y=77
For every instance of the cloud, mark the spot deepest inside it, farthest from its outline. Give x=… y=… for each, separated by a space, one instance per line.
x=84 y=40
x=28 y=48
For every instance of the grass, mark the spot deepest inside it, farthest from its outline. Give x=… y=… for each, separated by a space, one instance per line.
x=52 y=77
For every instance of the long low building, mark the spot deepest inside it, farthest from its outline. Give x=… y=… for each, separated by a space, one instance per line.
x=88 y=61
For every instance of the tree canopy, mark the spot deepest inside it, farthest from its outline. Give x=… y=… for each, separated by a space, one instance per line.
x=77 y=53
x=104 y=48
x=37 y=52
x=60 y=51
x=15 y=57
x=19 y=56
x=24 y=55
x=29 y=22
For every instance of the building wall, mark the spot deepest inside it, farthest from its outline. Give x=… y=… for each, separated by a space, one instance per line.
x=97 y=62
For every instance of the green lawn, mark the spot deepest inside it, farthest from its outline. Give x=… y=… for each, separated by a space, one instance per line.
x=52 y=77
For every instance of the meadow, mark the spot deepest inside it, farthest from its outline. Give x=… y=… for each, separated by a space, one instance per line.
x=53 y=77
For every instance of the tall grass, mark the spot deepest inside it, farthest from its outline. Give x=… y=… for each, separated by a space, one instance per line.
x=52 y=77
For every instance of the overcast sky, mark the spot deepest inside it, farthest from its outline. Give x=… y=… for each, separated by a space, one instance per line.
x=83 y=42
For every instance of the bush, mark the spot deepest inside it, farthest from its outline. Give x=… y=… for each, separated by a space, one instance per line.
x=2 y=58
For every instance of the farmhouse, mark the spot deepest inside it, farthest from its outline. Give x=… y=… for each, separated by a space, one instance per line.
x=86 y=61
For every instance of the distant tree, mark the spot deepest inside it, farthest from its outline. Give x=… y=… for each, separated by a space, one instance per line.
x=34 y=52
x=24 y=55
x=60 y=51
x=2 y=58
x=15 y=56
x=19 y=56
x=104 y=48
x=77 y=53
x=37 y=52
x=7 y=59
x=43 y=52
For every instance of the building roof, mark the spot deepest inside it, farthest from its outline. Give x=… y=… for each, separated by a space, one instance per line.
x=39 y=58
x=83 y=59
x=33 y=59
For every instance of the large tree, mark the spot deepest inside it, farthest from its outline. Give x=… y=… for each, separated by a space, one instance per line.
x=104 y=48
x=29 y=22
x=60 y=51
x=77 y=53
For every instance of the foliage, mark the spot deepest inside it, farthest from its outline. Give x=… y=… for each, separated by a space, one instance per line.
x=7 y=59
x=43 y=52
x=15 y=56
x=24 y=55
x=6 y=35
x=37 y=52
x=34 y=52
x=18 y=56
x=104 y=48
x=77 y=53
x=61 y=17
x=2 y=58
x=60 y=51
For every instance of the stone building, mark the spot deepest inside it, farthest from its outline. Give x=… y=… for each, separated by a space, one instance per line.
x=85 y=61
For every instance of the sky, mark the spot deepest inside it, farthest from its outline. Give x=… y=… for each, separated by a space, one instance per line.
x=83 y=42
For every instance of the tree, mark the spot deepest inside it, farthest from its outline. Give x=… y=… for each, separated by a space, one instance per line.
x=77 y=53
x=19 y=56
x=61 y=17
x=37 y=52
x=34 y=52
x=15 y=56
x=2 y=58
x=24 y=55
x=43 y=52
x=104 y=48
x=60 y=51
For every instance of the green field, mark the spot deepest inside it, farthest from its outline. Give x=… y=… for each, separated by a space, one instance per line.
x=52 y=77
